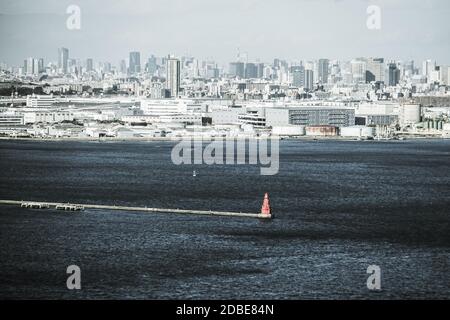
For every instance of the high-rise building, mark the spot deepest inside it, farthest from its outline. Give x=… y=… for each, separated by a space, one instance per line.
x=309 y=80
x=393 y=74
x=63 y=59
x=358 y=70
x=323 y=70
x=107 y=67
x=444 y=75
x=89 y=65
x=237 y=69
x=135 y=62
x=260 y=70
x=448 y=76
x=298 y=76
x=408 y=69
x=435 y=75
x=375 y=70
x=427 y=67
x=173 y=76
x=152 y=65
x=123 y=67
x=36 y=66
x=29 y=69
x=251 y=71
x=41 y=67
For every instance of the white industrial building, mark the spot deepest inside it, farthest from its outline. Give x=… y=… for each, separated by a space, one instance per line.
x=388 y=114
x=358 y=131
x=163 y=107
x=289 y=131
x=409 y=114
x=47 y=116
x=40 y=101
x=229 y=116
x=310 y=116
x=11 y=119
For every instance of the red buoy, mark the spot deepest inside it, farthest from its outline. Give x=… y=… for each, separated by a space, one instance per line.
x=265 y=210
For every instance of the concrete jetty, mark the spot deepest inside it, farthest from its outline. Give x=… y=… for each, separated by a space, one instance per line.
x=80 y=207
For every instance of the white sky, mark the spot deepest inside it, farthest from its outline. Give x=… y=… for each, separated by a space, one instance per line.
x=265 y=29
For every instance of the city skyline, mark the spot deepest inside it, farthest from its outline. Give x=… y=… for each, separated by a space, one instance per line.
x=412 y=30
x=137 y=60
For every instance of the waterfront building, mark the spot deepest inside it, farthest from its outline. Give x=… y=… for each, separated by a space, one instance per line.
x=173 y=77
x=8 y=119
x=310 y=116
x=163 y=107
x=40 y=101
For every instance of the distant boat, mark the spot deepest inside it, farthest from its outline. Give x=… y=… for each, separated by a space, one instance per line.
x=194 y=174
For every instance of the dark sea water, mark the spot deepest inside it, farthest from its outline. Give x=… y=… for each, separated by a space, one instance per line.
x=340 y=207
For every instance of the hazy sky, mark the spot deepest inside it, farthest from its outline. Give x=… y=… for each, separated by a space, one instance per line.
x=265 y=29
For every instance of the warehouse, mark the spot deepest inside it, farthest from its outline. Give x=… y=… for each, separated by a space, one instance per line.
x=310 y=116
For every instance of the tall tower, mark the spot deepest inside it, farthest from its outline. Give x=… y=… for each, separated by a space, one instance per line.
x=173 y=76
x=135 y=62
x=123 y=67
x=393 y=74
x=298 y=76
x=323 y=70
x=63 y=59
x=309 y=80
x=89 y=65
x=30 y=66
x=41 y=67
x=375 y=70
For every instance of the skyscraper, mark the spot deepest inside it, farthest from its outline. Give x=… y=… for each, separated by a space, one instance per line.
x=309 y=80
x=260 y=70
x=152 y=65
x=393 y=74
x=427 y=68
x=35 y=66
x=358 y=69
x=173 y=76
x=89 y=65
x=251 y=71
x=41 y=67
x=63 y=59
x=237 y=69
x=30 y=66
x=375 y=70
x=323 y=70
x=135 y=62
x=123 y=67
x=298 y=76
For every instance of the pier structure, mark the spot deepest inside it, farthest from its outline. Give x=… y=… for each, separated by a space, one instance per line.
x=81 y=207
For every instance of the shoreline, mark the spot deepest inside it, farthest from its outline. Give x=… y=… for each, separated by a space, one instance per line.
x=177 y=139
